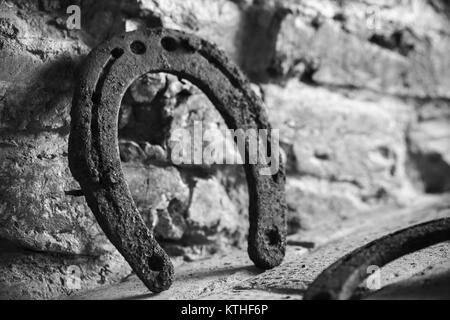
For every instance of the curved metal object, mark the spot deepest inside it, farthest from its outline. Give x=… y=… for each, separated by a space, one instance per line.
x=93 y=145
x=339 y=281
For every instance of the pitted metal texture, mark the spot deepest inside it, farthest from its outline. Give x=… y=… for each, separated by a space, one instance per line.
x=94 y=157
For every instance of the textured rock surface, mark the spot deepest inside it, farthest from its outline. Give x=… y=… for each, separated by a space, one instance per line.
x=212 y=213
x=359 y=91
x=233 y=277
x=34 y=210
x=399 y=50
x=217 y=21
x=161 y=197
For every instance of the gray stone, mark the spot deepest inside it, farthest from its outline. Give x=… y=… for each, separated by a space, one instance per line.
x=144 y=89
x=393 y=51
x=25 y=275
x=213 y=221
x=35 y=212
x=161 y=197
x=218 y=21
x=37 y=95
x=428 y=284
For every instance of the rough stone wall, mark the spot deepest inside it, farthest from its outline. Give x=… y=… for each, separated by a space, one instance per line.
x=362 y=104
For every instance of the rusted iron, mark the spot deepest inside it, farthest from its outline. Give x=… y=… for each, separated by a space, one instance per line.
x=339 y=281
x=93 y=145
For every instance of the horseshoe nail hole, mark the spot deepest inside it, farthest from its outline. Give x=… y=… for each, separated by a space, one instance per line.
x=138 y=47
x=169 y=44
x=322 y=296
x=156 y=263
x=117 y=53
x=273 y=236
x=276 y=177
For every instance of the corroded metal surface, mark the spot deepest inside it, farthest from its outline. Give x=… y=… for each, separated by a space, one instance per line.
x=339 y=281
x=93 y=146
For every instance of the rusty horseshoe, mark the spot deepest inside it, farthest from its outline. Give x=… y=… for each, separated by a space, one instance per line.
x=339 y=281
x=93 y=144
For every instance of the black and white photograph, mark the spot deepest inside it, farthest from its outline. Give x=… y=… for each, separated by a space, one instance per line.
x=231 y=156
